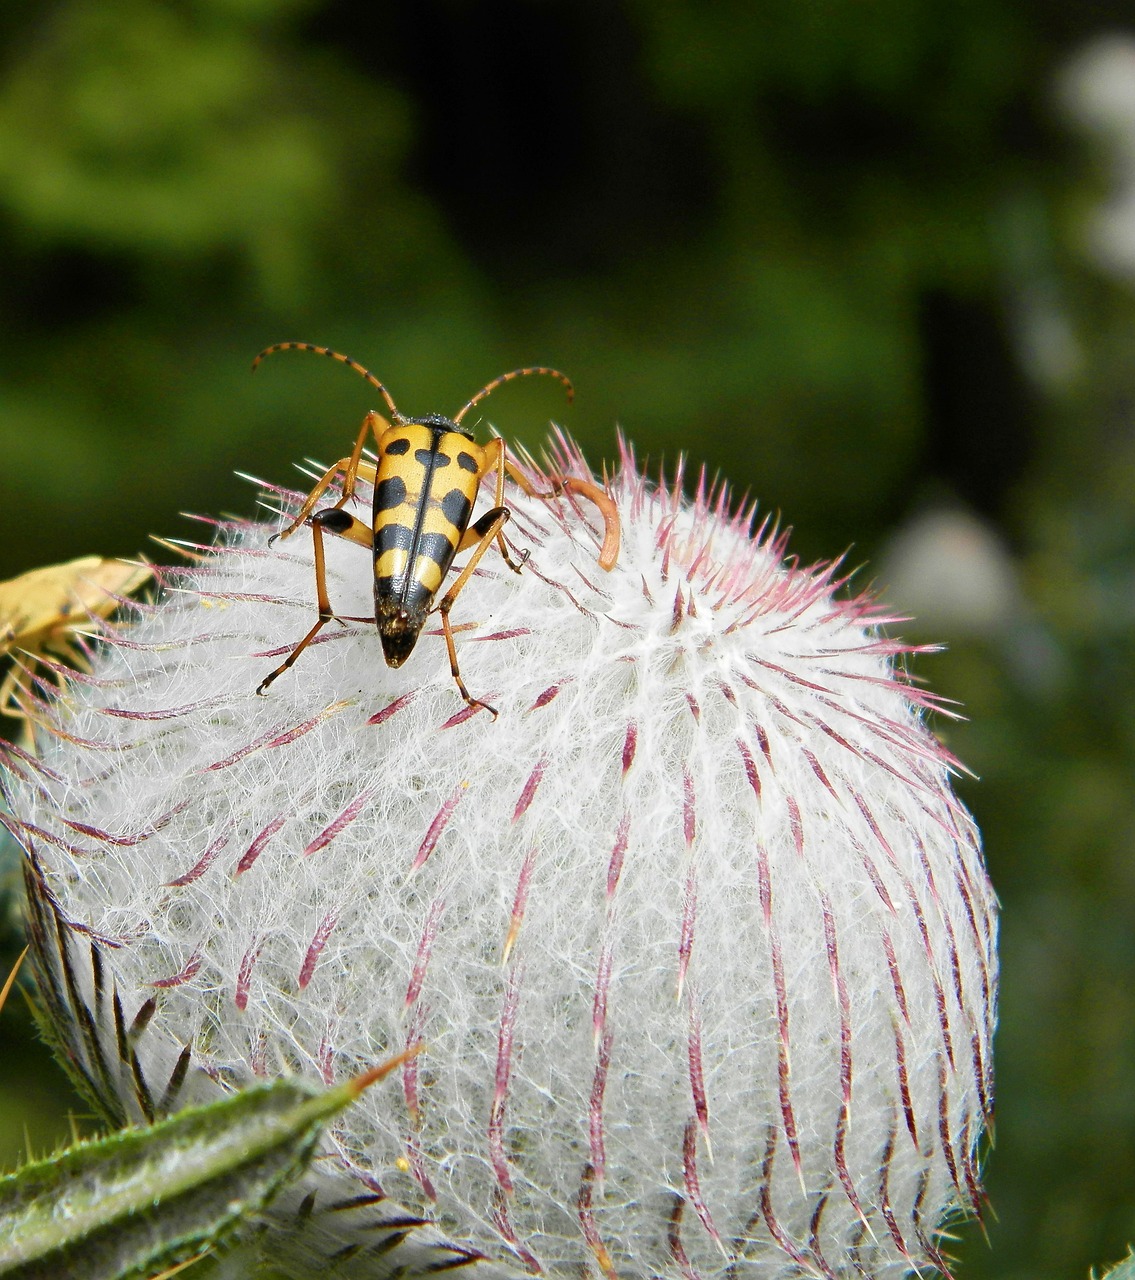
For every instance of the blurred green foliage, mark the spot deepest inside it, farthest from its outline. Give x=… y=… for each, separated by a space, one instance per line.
x=830 y=248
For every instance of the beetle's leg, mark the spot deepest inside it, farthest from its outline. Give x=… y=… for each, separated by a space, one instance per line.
x=350 y=467
x=492 y=456
x=483 y=532
x=13 y=685
x=609 y=551
x=375 y=422
x=343 y=525
x=16 y=697
x=365 y=469
x=311 y=499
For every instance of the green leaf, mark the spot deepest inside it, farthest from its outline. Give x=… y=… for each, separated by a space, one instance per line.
x=143 y=1199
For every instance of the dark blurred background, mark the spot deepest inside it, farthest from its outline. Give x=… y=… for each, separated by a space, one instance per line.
x=874 y=260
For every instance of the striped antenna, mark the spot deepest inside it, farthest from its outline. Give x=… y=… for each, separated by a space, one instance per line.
x=517 y=373
x=362 y=370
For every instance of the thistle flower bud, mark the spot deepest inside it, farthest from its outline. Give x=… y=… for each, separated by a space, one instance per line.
x=697 y=936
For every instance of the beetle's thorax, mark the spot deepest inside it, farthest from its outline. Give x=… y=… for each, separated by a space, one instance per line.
x=436 y=422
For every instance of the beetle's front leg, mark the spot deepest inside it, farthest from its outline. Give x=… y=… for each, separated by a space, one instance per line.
x=351 y=468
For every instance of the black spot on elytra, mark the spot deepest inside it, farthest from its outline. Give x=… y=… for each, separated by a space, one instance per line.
x=467 y=462
x=391 y=537
x=390 y=493
x=396 y=448
x=427 y=457
x=436 y=547
x=456 y=507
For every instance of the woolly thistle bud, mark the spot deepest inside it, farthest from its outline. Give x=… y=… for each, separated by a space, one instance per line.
x=697 y=937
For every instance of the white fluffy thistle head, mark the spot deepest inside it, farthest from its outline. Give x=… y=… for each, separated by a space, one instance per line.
x=698 y=938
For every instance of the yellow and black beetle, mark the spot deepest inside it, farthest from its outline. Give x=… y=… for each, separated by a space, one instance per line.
x=425 y=482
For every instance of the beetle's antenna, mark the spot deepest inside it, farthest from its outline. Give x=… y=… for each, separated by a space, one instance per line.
x=361 y=369
x=508 y=377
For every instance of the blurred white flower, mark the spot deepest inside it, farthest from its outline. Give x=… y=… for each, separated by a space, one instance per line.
x=952 y=570
x=1097 y=90
x=698 y=938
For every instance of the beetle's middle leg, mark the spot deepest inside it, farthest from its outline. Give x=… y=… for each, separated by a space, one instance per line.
x=340 y=524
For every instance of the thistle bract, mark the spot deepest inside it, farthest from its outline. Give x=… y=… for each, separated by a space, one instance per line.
x=698 y=938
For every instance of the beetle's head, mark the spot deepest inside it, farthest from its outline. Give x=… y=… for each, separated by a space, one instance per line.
x=398 y=629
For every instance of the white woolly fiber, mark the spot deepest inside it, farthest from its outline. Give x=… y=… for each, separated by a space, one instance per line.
x=698 y=938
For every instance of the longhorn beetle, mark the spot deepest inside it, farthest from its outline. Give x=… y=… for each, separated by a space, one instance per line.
x=425 y=482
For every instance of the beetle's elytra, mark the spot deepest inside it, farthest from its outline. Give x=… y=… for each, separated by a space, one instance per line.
x=426 y=479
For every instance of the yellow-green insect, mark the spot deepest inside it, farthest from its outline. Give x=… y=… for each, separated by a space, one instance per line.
x=425 y=483
x=44 y=611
